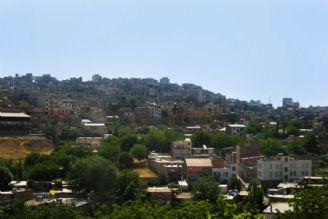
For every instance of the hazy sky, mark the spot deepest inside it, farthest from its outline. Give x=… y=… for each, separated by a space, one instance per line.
x=242 y=49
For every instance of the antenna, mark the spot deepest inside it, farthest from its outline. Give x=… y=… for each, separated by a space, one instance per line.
x=270 y=100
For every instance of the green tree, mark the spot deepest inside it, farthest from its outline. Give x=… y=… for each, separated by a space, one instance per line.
x=205 y=188
x=128 y=141
x=200 y=138
x=255 y=195
x=234 y=183
x=5 y=178
x=311 y=143
x=308 y=204
x=93 y=173
x=125 y=160
x=128 y=184
x=254 y=127
x=111 y=151
x=271 y=147
x=43 y=171
x=139 y=151
x=159 y=140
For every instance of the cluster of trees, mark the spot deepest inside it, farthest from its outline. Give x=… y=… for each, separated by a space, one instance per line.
x=309 y=144
x=217 y=140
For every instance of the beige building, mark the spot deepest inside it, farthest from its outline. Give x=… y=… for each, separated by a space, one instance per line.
x=181 y=149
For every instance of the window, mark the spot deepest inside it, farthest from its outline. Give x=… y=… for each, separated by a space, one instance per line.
x=286 y=169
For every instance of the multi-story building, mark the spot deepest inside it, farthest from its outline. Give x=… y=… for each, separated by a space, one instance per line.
x=222 y=170
x=287 y=102
x=181 y=149
x=14 y=123
x=283 y=168
x=166 y=165
x=236 y=129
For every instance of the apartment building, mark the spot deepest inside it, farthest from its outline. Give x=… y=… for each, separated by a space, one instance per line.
x=283 y=168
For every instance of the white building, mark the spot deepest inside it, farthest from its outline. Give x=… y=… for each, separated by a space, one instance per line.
x=236 y=129
x=283 y=168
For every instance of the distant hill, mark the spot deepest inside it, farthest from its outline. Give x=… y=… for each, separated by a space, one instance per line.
x=15 y=147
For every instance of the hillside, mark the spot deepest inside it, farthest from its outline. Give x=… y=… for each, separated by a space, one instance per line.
x=20 y=146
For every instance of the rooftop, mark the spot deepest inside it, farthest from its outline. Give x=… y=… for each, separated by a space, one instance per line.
x=237 y=126
x=281 y=207
x=94 y=124
x=159 y=189
x=198 y=162
x=14 y=115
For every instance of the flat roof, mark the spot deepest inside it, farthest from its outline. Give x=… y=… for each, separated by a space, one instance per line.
x=184 y=195
x=281 y=207
x=237 y=125
x=198 y=162
x=13 y=115
x=94 y=124
x=159 y=189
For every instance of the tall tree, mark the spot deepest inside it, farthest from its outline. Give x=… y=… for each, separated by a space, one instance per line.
x=139 y=151
x=93 y=173
x=205 y=188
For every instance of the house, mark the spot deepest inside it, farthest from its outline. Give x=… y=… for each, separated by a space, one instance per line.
x=221 y=169
x=198 y=167
x=236 y=129
x=282 y=168
x=181 y=149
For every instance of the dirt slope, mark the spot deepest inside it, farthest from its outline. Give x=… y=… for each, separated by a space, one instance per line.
x=20 y=146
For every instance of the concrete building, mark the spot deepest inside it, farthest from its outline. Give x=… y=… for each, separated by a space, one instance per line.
x=287 y=102
x=274 y=208
x=166 y=165
x=283 y=168
x=98 y=129
x=198 y=167
x=164 y=81
x=222 y=171
x=181 y=149
x=203 y=151
x=14 y=123
x=236 y=129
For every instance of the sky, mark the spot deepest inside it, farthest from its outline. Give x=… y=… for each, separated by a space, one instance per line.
x=254 y=49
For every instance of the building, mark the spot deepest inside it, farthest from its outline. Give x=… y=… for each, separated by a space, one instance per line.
x=166 y=165
x=181 y=149
x=221 y=169
x=93 y=142
x=283 y=168
x=96 y=78
x=164 y=81
x=203 y=151
x=236 y=129
x=274 y=208
x=98 y=129
x=198 y=167
x=162 y=194
x=14 y=123
x=287 y=102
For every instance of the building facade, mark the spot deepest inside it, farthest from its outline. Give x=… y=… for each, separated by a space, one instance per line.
x=283 y=168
